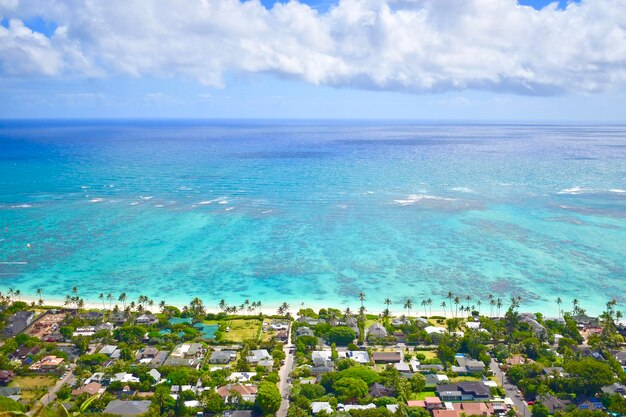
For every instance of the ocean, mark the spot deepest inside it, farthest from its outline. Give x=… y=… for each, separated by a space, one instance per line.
x=315 y=212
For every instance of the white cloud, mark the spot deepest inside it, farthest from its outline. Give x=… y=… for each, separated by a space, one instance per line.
x=404 y=45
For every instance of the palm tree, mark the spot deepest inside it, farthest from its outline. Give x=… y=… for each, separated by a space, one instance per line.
x=285 y=307
x=575 y=308
x=429 y=302
x=162 y=305
x=75 y=290
x=110 y=298
x=132 y=305
x=18 y=294
x=347 y=313
x=39 y=293
x=479 y=303
x=222 y=305
x=387 y=302
x=408 y=305
x=122 y=298
x=457 y=301
x=101 y=297
x=499 y=305
x=80 y=304
x=68 y=300
x=558 y=304
x=423 y=304
x=362 y=297
x=443 y=305
x=10 y=293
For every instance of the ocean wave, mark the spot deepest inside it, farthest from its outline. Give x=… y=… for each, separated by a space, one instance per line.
x=22 y=206
x=228 y=208
x=134 y=203
x=84 y=187
x=219 y=200
x=148 y=197
x=574 y=190
x=463 y=189
x=222 y=202
x=417 y=198
x=159 y=205
x=96 y=200
x=617 y=190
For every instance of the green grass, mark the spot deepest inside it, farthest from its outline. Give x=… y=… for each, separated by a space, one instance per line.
x=242 y=329
x=464 y=378
x=422 y=395
x=29 y=382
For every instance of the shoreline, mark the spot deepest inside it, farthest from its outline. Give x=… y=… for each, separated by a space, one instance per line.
x=267 y=310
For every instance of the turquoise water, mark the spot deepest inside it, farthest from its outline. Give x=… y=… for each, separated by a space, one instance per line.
x=314 y=212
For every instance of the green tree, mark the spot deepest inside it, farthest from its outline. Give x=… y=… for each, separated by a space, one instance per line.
x=418 y=382
x=268 y=398
x=588 y=375
x=341 y=335
x=364 y=373
x=540 y=410
x=349 y=389
x=312 y=391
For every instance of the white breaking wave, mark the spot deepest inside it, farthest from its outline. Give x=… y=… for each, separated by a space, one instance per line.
x=96 y=200
x=617 y=190
x=134 y=203
x=22 y=206
x=574 y=190
x=463 y=189
x=417 y=198
x=149 y=197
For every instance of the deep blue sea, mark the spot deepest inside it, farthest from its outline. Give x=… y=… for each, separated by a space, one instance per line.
x=314 y=212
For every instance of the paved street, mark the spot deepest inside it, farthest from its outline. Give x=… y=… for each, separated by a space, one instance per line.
x=510 y=389
x=283 y=385
x=51 y=395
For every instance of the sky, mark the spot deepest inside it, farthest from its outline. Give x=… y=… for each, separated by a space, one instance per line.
x=476 y=60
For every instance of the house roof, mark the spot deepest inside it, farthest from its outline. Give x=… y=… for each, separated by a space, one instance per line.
x=127 y=407
x=225 y=390
x=394 y=356
x=91 y=388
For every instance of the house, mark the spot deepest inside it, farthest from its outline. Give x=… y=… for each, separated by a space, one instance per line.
x=436 y=379
x=377 y=390
x=47 y=364
x=400 y=336
x=98 y=377
x=304 y=331
x=348 y=407
x=282 y=335
x=84 y=331
x=241 y=376
x=517 y=359
x=309 y=320
x=279 y=325
x=127 y=408
x=119 y=317
x=159 y=359
x=403 y=368
x=468 y=365
x=536 y=327
x=103 y=326
x=320 y=370
x=92 y=315
x=6 y=377
x=615 y=388
x=318 y=406
x=124 y=377
x=431 y=368
x=91 y=389
x=239 y=413
x=108 y=350
x=24 y=352
x=248 y=392
x=400 y=321
x=189 y=355
x=463 y=391
x=359 y=356
x=13 y=393
x=553 y=371
x=156 y=375
x=387 y=357
x=17 y=323
x=147 y=319
x=592 y=404
x=322 y=358
x=621 y=357
x=554 y=404
x=377 y=330
x=223 y=356
x=260 y=355
x=146 y=354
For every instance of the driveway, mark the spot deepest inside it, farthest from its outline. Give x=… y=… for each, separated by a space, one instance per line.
x=284 y=386
x=510 y=389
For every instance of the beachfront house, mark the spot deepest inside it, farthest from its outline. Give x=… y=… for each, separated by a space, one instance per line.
x=147 y=319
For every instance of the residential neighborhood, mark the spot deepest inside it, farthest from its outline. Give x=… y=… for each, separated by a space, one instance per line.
x=188 y=362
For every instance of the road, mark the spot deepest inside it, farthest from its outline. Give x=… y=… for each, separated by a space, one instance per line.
x=51 y=395
x=284 y=386
x=510 y=389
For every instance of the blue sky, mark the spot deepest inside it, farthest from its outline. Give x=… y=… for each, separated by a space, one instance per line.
x=383 y=59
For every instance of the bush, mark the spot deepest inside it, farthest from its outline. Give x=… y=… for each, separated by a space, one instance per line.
x=341 y=335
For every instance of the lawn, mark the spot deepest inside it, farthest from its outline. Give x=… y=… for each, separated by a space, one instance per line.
x=464 y=378
x=33 y=387
x=422 y=395
x=242 y=329
x=27 y=382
